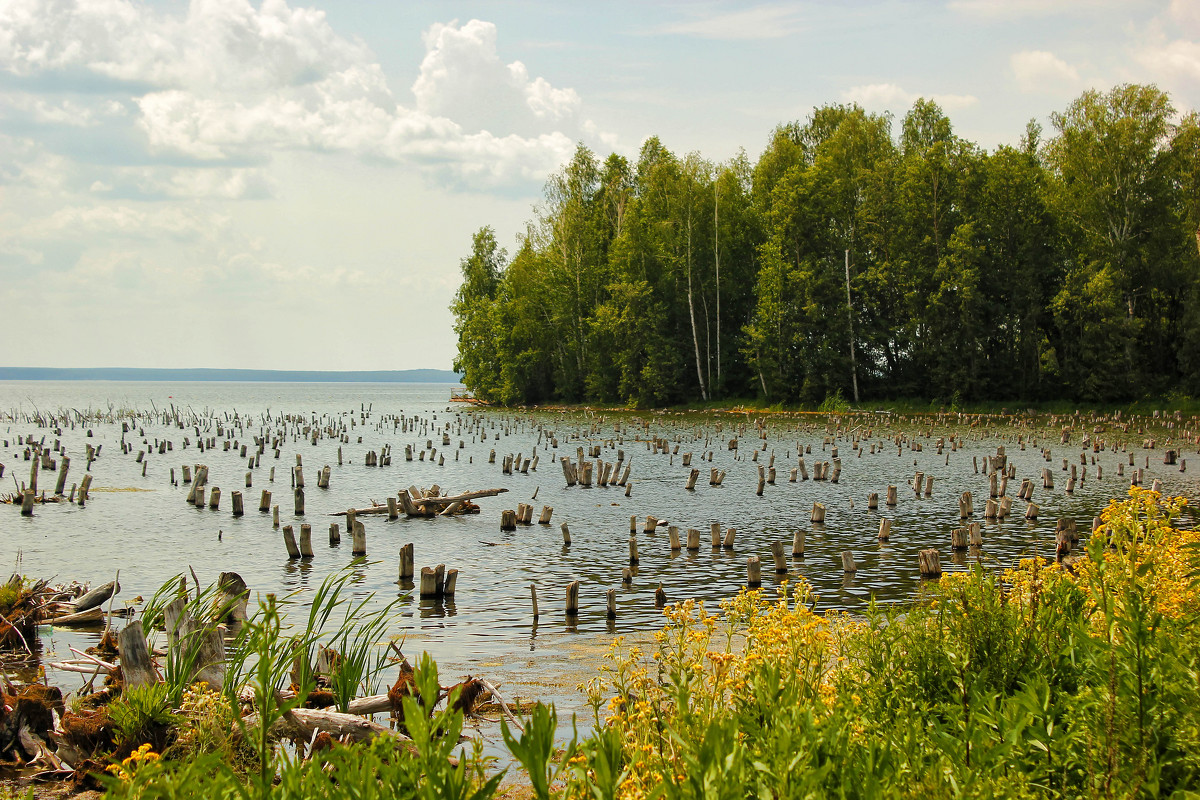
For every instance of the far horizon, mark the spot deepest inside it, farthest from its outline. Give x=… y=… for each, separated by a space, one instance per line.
x=216 y=374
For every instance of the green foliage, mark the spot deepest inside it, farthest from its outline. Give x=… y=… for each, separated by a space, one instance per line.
x=1060 y=267
x=1032 y=683
x=534 y=749
x=834 y=403
x=142 y=714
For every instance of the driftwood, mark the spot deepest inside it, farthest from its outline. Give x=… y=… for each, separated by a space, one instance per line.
x=429 y=505
x=89 y=617
x=96 y=597
x=299 y=723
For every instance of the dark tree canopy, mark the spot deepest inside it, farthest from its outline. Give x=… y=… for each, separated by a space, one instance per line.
x=907 y=263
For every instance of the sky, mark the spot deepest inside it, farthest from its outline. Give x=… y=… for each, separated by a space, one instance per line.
x=283 y=185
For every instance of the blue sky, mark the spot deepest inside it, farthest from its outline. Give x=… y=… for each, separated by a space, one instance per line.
x=221 y=183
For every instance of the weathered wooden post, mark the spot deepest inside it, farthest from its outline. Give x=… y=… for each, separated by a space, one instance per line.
x=798 y=543
x=753 y=572
x=885 y=529
x=407 y=562
x=777 y=555
x=359 y=539
x=289 y=541
x=848 y=564
x=929 y=563
x=306 y=550
x=573 y=599
x=958 y=539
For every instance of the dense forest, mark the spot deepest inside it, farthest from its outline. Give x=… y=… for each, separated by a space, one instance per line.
x=851 y=262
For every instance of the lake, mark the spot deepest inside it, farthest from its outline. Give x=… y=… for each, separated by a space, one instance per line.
x=142 y=526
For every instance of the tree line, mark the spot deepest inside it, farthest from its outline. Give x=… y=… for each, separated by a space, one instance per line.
x=851 y=262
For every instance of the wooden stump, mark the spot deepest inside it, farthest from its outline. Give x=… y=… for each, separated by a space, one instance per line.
x=137 y=669
x=958 y=539
x=407 y=562
x=929 y=562
x=572 y=605
x=358 y=539
x=777 y=555
x=289 y=541
x=429 y=587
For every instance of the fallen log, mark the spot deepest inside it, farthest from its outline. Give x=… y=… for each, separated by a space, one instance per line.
x=445 y=500
x=89 y=617
x=96 y=597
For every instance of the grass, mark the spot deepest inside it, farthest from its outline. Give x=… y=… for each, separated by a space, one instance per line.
x=1039 y=681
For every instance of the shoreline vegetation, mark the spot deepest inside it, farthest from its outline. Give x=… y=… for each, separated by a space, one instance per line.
x=1045 y=680
x=860 y=258
x=1163 y=408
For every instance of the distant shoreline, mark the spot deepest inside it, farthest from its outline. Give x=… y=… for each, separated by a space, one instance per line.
x=242 y=375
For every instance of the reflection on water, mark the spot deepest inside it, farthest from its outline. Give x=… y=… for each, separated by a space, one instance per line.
x=490 y=617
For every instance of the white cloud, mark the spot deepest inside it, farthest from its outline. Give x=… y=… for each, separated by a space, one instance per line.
x=1185 y=14
x=758 y=22
x=1041 y=71
x=126 y=221
x=1176 y=60
x=463 y=78
x=230 y=81
x=889 y=96
x=1168 y=53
